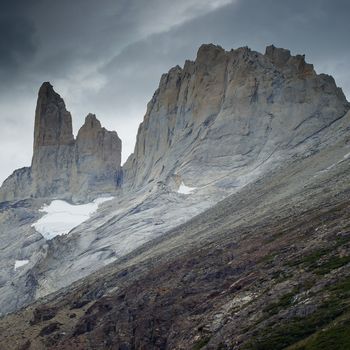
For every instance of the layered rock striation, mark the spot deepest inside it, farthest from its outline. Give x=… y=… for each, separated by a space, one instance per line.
x=63 y=167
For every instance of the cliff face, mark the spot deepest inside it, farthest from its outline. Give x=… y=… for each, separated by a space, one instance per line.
x=62 y=166
x=230 y=111
x=97 y=157
x=53 y=151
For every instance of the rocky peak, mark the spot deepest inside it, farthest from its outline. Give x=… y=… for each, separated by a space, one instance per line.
x=224 y=114
x=53 y=145
x=89 y=130
x=97 y=156
x=229 y=110
x=61 y=166
x=283 y=59
x=53 y=123
x=278 y=56
x=208 y=53
x=93 y=138
x=91 y=122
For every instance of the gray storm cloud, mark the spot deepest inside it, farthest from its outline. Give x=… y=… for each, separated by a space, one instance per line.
x=106 y=57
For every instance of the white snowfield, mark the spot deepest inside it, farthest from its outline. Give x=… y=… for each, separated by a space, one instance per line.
x=20 y=263
x=61 y=217
x=183 y=189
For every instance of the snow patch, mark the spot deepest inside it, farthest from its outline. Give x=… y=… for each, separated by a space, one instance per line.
x=185 y=189
x=20 y=263
x=61 y=217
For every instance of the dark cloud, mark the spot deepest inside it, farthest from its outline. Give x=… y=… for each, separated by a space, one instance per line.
x=17 y=44
x=107 y=57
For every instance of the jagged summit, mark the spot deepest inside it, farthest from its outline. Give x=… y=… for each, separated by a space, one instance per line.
x=280 y=57
x=53 y=123
x=62 y=166
x=91 y=121
x=231 y=111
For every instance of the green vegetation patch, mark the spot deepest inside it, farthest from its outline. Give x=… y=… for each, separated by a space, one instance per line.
x=310 y=260
x=332 y=263
x=281 y=335
x=284 y=302
x=341 y=289
x=313 y=261
x=336 y=337
x=201 y=343
x=268 y=258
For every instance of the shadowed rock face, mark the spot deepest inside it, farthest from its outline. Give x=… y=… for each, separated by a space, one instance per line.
x=61 y=166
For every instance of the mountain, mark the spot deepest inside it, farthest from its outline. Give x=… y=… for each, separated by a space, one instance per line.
x=231 y=113
x=63 y=167
x=227 y=224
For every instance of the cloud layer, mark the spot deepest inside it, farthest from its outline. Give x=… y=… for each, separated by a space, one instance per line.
x=106 y=57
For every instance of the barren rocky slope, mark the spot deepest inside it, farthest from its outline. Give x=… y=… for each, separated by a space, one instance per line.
x=265 y=131
x=267 y=268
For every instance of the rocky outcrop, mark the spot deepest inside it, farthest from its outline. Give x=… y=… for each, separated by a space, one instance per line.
x=53 y=123
x=230 y=111
x=62 y=166
x=97 y=157
x=53 y=152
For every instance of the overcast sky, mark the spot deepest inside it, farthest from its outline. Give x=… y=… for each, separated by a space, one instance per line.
x=107 y=56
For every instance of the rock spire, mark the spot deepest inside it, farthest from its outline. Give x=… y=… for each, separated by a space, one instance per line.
x=63 y=167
